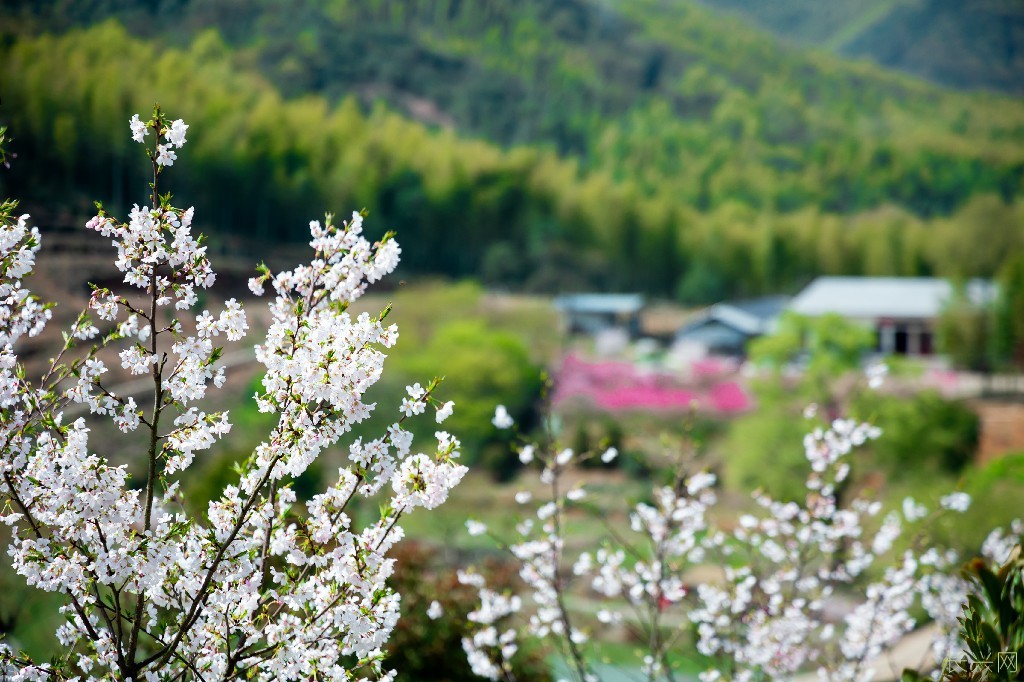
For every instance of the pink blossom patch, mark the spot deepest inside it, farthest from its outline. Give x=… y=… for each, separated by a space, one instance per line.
x=620 y=386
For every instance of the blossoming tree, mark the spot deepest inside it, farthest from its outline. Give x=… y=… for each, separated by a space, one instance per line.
x=261 y=587
x=784 y=574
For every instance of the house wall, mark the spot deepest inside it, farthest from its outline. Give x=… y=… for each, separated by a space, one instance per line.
x=905 y=337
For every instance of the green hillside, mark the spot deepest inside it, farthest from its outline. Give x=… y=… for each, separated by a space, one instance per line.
x=556 y=144
x=962 y=44
x=662 y=92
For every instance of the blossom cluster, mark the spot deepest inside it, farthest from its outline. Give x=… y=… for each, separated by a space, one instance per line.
x=771 y=614
x=812 y=585
x=261 y=586
x=21 y=314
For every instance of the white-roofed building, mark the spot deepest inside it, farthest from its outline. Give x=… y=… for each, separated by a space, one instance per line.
x=902 y=310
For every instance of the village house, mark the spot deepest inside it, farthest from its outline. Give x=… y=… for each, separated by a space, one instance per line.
x=903 y=311
x=726 y=328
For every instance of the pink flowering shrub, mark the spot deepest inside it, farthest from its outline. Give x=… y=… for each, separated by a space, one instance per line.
x=620 y=386
x=258 y=588
x=714 y=367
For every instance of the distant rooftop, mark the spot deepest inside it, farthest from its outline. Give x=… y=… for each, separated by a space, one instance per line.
x=874 y=297
x=600 y=303
x=765 y=309
x=751 y=317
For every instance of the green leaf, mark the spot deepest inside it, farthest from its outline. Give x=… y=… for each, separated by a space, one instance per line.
x=991 y=639
x=992 y=585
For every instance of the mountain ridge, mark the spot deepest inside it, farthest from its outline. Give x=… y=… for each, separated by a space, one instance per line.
x=966 y=45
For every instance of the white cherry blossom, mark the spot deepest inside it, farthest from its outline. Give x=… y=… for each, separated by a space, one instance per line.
x=253 y=587
x=502 y=419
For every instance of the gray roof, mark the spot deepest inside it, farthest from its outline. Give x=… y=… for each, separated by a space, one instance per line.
x=875 y=297
x=751 y=317
x=600 y=303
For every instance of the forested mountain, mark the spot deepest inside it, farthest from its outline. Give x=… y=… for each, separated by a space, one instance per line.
x=556 y=143
x=963 y=43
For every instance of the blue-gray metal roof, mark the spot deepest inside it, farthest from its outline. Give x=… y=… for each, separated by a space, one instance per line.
x=600 y=303
x=751 y=317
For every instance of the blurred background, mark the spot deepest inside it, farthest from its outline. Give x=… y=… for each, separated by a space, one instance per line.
x=660 y=225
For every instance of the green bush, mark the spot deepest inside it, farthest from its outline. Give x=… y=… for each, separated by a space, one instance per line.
x=483 y=367
x=922 y=436
x=924 y=432
x=764 y=450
